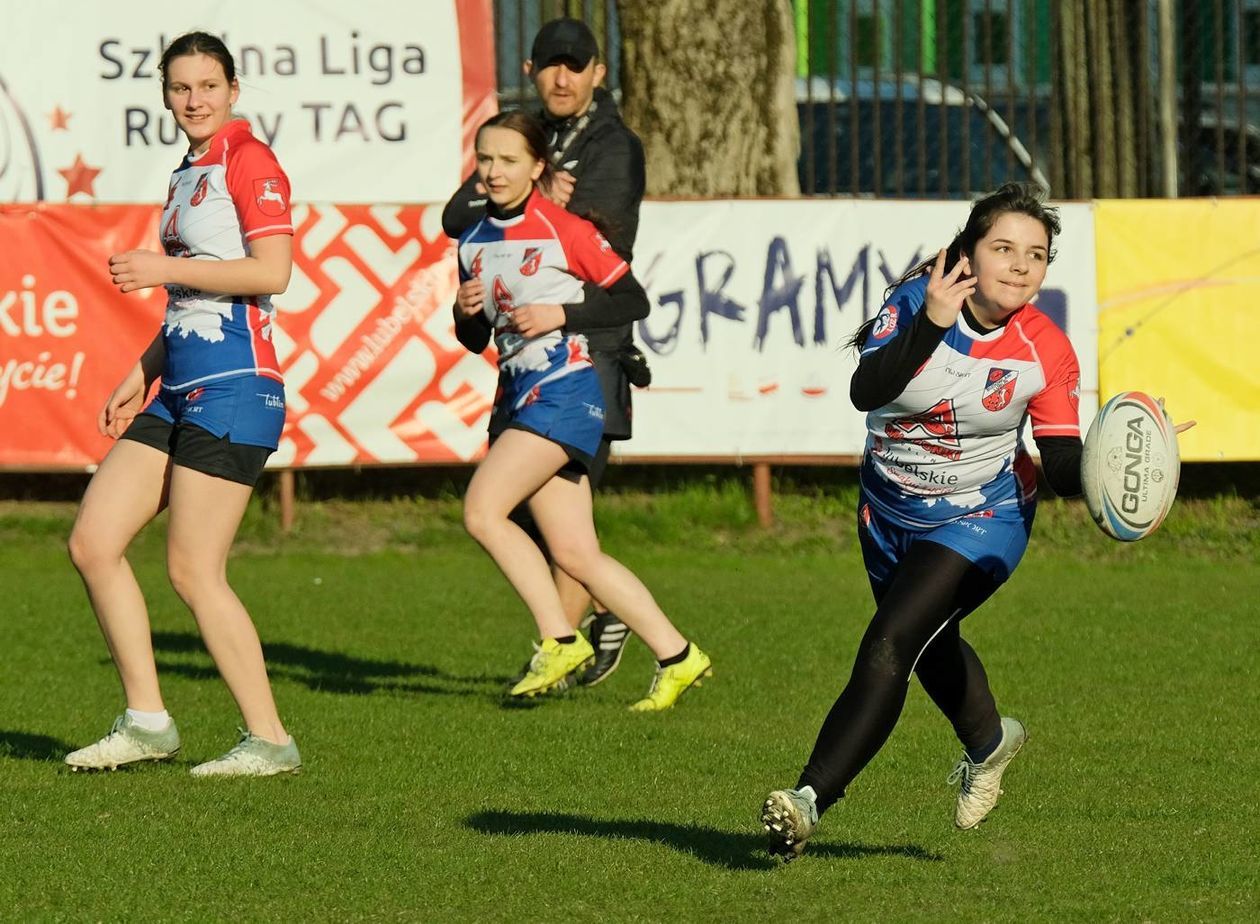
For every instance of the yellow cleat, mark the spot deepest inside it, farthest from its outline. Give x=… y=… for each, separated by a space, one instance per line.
x=551 y=664
x=671 y=682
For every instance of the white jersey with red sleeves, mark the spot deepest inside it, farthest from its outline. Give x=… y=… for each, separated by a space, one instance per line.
x=948 y=446
x=541 y=256
x=232 y=194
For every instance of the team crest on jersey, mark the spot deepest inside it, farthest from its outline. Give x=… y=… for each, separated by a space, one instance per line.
x=199 y=194
x=269 y=197
x=885 y=322
x=475 y=269
x=999 y=388
x=531 y=262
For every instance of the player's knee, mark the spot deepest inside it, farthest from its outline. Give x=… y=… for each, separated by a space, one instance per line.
x=87 y=551
x=480 y=520
x=576 y=559
x=186 y=575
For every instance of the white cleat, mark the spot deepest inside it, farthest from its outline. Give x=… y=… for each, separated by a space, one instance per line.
x=981 y=783
x=253 y=756
x=789 y=817
x=126 y=743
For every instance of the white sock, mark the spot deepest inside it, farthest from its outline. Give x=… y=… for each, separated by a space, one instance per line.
x=150 y=721
x=808 y=793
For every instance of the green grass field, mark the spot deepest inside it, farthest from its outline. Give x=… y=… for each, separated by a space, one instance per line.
x=390 y=638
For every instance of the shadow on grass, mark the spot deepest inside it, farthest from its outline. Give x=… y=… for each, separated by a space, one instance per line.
x=731 y=850
x=330 y=671
x=25 y=746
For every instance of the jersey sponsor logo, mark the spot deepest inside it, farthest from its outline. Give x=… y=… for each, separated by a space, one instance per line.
x=502 y=296
x=885 y=322
x=531 y=261
x=199 y=194
x=999 y=388
x=172 y=243
x=269 y=198
x=935 y=430
x=475 y=269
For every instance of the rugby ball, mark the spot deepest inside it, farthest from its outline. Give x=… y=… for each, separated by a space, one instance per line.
x=1130 y=466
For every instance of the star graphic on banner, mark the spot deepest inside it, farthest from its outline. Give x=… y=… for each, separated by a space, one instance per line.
x=59 y=119
x=79 y=177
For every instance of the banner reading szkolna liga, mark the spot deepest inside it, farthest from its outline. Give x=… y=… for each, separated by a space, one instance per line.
x=754 y=301
x=1178 y=286
x=367 y=101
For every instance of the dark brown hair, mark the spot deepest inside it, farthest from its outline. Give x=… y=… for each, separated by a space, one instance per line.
x=198 y=43
x=1020 y=198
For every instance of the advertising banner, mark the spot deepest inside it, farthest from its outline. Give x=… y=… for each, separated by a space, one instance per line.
x=66 y=336
x=1178 y=285
x=754 y=303
x=371 y=101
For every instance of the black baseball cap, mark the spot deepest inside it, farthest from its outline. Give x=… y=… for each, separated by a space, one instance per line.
x=564 y=38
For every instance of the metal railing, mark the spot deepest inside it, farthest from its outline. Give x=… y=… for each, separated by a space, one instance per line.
x=949 y=98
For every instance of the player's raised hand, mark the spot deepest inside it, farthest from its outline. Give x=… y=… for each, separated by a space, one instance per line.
x=536 y=320
x=470 y=298
x=123 y=404
x=947 y=292
x=138 y=269
x=1181 y=427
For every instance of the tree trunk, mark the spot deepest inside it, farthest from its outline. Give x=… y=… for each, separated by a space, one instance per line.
x=709 y=87
x=1097 y=93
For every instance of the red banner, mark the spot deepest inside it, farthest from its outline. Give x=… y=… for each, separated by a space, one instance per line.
x=67 y=336
x=364 y=335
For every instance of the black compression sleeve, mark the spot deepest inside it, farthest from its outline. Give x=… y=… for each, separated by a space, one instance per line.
x=621 y=303
x=883 y=375
x=473 y=332
x=1061 y=463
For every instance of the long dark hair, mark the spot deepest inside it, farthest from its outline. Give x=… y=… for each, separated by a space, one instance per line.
x=1019 y=198
x=528 y=127
x=198 y=43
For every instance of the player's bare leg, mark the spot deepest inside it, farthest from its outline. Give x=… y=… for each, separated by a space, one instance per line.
x=205 y=512
x=129 y=489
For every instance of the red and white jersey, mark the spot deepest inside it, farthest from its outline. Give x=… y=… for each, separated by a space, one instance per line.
x=949 y=445
x=541 y=256
x=232 y=194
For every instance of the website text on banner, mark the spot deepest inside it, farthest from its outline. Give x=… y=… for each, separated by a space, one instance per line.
x=754 y=301
x=1178 y=286
x=371 y=101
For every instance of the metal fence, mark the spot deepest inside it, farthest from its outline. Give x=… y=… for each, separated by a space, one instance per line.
x=948 y=98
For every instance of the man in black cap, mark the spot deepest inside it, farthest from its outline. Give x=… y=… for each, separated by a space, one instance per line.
x=599 y=175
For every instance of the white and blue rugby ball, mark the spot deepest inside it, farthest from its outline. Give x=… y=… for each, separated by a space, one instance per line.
x=1130 y=466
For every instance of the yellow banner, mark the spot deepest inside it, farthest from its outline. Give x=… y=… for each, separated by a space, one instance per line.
x=1179 y=315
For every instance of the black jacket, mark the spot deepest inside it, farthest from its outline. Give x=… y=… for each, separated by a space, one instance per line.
x=606 y=160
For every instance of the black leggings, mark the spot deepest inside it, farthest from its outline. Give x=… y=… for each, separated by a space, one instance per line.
x=915 y=629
